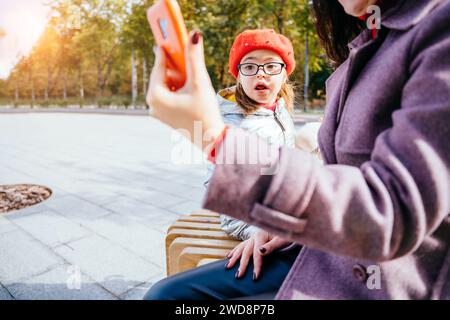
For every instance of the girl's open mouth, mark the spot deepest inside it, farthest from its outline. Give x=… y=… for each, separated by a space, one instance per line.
x=260 y=87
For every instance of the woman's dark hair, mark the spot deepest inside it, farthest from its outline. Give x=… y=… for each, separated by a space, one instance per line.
x=335 y=29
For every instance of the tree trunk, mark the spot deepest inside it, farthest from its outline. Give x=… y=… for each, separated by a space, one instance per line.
x=81 y=86
x=134 y=88
x=104 y=76
x=305 y=91
x=99 y=82
x=33 y=97
x=144 y=75
x=279 y=14
x=65 y=86
x=16 y=91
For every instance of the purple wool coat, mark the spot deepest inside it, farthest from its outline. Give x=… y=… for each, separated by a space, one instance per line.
x=374 y=220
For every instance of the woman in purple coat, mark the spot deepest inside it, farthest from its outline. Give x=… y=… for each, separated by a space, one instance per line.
x=373 y=222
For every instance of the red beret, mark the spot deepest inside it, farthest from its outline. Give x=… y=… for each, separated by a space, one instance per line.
x=261 y=39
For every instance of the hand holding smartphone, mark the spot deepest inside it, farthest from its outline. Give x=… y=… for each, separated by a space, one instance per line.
x=169 y=30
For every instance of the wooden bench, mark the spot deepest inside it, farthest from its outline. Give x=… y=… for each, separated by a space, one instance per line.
x=194 y=240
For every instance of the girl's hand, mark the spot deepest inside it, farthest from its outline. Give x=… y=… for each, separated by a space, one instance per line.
x=194 y=105
x=258 y=245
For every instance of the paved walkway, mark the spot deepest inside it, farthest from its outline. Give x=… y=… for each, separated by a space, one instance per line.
x=115 y=191
x=299 y=117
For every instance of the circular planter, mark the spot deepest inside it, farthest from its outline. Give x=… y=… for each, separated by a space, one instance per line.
x=19 y=196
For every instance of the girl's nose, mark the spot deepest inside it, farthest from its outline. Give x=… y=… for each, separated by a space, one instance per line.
x=260 y=71
x=260 y=74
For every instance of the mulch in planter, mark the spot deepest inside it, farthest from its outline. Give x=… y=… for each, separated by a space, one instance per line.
x=19 y=196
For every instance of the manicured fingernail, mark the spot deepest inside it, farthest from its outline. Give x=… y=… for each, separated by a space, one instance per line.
x=196 y=37
x=154 y=49
x=237 y=274
x=262 y=250
x=226 y=265
x=254 y=276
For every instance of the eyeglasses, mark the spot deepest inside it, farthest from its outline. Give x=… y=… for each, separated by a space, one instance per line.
x=270 y=68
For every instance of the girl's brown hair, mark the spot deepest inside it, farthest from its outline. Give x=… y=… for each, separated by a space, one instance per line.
x=249 y=105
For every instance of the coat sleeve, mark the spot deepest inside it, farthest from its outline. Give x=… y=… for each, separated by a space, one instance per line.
x=233 y=227
x=379 y=211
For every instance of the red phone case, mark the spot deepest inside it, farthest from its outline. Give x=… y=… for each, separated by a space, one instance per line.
x=169 y=30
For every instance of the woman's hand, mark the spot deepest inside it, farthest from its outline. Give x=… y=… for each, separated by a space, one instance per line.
x=194 y=107
x=258 y=245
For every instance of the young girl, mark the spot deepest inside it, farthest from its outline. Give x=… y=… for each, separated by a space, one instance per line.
x=260 y=61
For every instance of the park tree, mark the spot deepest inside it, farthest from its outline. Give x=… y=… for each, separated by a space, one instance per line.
x=96 y=49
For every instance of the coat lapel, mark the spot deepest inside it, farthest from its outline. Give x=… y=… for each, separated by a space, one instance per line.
x=361 y=51
x=339 y=85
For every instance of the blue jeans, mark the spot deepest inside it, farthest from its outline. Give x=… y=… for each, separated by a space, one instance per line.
x=214 y=281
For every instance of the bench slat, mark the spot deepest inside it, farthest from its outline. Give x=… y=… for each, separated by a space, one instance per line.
x=188 y=218
x=179 y=244
x=195 y=225
x=190 y=257
x=192 y=233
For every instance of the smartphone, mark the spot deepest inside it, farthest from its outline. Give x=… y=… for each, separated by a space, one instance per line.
x=169 y=30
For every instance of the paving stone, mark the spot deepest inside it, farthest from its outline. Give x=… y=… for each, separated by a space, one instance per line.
x=99 y=198
x=139 y=291
x=183 y=168
x=26 y=211
x=185 y=207
x=77 y=209
x=160 y=220
x=157 y=198
x=4 y=294
x=13 y=177
x=50 y=227
x=113 y=267
x=136 y=237
x=62 y=283
x=22 y=257
x=170 y=187
x=6 y=225
x=193 y=180
x=128 y=206
x=194 y=194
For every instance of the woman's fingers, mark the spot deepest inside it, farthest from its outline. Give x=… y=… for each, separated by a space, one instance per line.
x=257 y=246
x=158 y=75
x=272 y=245
x=158 y=92
x=230 y=254
x=195 y=61
x=257 y=257
x=245 y=258
x=236 y=254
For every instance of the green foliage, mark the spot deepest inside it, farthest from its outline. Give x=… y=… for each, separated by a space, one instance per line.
x=85 y=50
